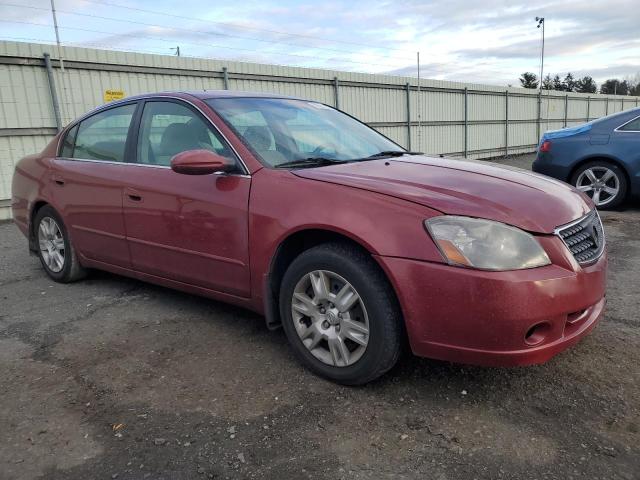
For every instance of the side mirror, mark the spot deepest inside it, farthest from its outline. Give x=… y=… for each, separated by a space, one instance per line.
x=200 y=162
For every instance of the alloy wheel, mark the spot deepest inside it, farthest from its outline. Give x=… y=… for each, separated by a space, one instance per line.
x=51 y=244
x=600 y=183
x=330 y=318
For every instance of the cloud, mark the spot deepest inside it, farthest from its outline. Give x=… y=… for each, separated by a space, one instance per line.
x=492 y=41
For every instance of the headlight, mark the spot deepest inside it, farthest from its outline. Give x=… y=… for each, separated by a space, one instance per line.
x=485 y=244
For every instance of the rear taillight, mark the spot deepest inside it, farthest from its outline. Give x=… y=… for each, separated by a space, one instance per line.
x=545 y=147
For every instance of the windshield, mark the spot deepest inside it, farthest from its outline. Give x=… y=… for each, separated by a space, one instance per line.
x=296 y=133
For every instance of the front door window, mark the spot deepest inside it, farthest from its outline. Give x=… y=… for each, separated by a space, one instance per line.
x=169 y=128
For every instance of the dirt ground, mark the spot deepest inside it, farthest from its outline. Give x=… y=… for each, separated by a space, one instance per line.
x=114 y=378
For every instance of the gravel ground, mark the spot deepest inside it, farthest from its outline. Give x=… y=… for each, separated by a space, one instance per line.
x=114 y=378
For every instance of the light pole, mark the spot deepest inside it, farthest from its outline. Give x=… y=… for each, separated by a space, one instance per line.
x=540 y=21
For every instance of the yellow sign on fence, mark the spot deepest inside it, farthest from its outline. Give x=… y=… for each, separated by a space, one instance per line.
x=111 y=95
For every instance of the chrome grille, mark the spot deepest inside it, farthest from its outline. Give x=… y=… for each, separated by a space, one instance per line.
x=584 y=238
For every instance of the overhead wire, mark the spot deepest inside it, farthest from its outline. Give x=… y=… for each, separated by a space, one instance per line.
x=221 y=34
x=246 y=27
x=207 y=44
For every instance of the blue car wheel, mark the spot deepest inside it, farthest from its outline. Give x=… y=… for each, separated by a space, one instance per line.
x=604 y=182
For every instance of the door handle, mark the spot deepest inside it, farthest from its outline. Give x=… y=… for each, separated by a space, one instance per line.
x=133 y=195
x=58 y=179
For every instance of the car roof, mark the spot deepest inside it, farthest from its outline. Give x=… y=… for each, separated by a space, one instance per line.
x=208 y=94
x=613 y=119
x=183 y=94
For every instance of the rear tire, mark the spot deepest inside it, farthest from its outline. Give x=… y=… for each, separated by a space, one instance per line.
x=356 y=325
x=55 y=250
x=604 y=182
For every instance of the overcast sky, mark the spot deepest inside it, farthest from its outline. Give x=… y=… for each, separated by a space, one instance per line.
x=489 y=41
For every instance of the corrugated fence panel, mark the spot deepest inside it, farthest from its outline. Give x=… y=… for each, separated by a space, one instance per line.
x=577 y=109
x=397 y=134
x=24 y=97
x=76 y=99
x=486 y=137
x=552 y=107
x=486 y=107
x=597 y=107
x=374 y=104
x=320 y=93
x=523 y=108
x=438 y=139
x=437 y=106
x=551 y=125
x=437 y=125
x=13 y=149
x=522 y=134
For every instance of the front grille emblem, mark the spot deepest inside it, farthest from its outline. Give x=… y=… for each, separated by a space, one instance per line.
x=584 y=238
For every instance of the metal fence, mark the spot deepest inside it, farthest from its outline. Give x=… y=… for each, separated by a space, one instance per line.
x=449 y=118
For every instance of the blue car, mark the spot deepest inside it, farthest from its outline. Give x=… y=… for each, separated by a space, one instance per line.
x=600 y=158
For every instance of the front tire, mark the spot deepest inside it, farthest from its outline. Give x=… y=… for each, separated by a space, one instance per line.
x=340 y=314
x=55 y=250
x=604 y=182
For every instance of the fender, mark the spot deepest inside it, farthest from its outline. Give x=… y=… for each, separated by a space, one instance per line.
x=275 y=214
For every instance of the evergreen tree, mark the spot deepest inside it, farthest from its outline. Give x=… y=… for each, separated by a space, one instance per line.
x=529 y=80
x=569 y=83
x=557 y=83
x=586 y=84
x=547 y=83
x=613 y=86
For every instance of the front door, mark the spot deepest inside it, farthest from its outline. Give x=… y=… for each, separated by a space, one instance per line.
x=189 y=228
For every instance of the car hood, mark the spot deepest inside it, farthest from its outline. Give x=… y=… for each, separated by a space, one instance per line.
x=510 y=195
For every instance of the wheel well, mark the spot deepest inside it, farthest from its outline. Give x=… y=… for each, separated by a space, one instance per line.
x=32 y=234
x=287 y=251
x=602 y=159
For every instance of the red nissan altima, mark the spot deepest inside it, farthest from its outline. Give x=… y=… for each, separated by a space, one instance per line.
x=300 y=212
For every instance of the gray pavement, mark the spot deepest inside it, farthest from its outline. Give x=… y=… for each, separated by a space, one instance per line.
x=114 y=378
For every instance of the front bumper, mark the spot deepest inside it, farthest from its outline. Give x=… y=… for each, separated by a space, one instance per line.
x=486 y=318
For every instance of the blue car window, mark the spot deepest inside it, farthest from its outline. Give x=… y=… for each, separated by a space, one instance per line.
x=632 y=126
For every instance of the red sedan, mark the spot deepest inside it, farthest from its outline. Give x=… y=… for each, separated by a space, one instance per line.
x=331 y=230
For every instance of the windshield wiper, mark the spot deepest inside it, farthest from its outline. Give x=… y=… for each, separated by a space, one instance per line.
x=391 y=153
x=310 y=162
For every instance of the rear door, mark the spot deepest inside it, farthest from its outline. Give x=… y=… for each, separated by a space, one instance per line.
x=87 y=180
x=189 y=228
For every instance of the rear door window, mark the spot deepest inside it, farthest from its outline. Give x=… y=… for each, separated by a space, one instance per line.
x=103 y=136
x=632 y=126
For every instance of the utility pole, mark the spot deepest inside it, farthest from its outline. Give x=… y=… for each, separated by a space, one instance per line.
x=55 y=27
x=419 y=107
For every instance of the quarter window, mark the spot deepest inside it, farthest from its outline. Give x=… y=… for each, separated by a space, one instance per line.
x=632 y=126
x=169 y=128
x=69 y=140
x=103 y=136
